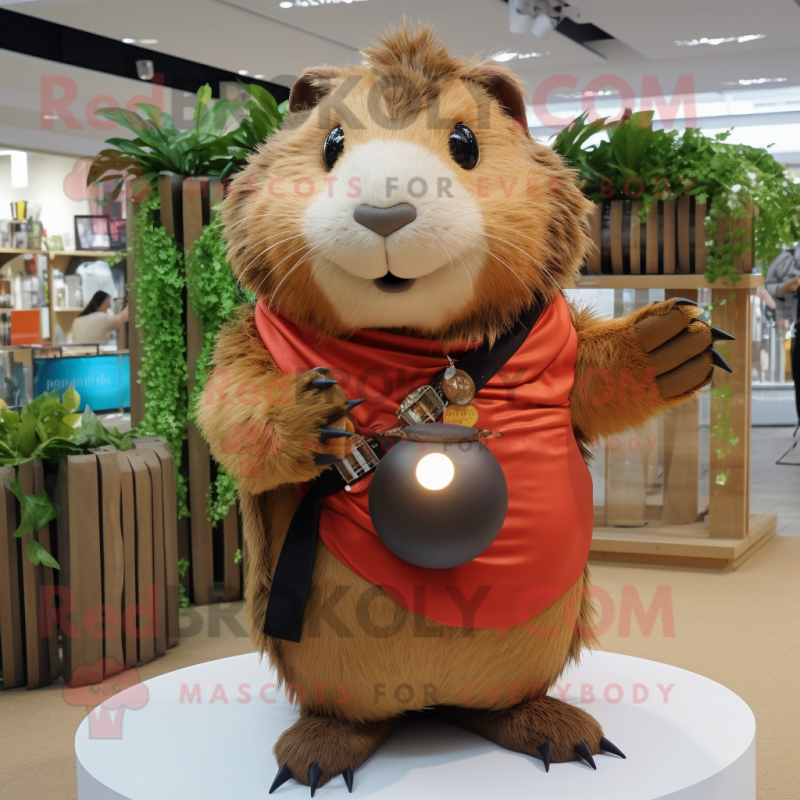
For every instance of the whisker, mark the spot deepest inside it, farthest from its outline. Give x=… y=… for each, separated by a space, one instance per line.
x=310 y=250
x=548 y=275
x=510 y=269
x=469 y=276
x=274 y=295
x=267 y=249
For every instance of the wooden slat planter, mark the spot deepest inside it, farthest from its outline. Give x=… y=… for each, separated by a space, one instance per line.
x=671 y=240
x=115 y=538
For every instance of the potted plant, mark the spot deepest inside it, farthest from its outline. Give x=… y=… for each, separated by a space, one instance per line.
x=100 y=576
x=179 y=263
x=672 y=202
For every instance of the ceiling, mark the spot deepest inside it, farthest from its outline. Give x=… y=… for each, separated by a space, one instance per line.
x=277 y=43
x=263 y=38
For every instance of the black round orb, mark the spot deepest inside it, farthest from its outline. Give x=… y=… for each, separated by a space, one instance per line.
x=332 y=147
x=464 y=147
x=438 y=528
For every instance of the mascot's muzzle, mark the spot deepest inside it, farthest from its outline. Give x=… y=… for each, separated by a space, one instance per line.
x=438 y=498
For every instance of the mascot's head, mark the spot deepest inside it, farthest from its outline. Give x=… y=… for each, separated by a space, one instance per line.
x=406 y=193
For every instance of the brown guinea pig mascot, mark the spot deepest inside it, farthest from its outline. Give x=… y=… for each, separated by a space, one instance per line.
x=408 y=244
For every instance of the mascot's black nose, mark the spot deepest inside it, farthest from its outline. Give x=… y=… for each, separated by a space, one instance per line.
x=385 y=220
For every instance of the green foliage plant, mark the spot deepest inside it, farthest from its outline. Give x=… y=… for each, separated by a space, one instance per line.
x=635 y=161
x=49 y=428
x=223 y=135
x=213 y=294
x=183 y=594
x=159 y=291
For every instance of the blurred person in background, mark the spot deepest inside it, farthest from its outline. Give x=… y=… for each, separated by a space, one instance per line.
x=782 y=282
x=94 y=324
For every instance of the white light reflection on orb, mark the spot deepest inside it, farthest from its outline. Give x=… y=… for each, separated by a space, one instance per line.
x=435 y=471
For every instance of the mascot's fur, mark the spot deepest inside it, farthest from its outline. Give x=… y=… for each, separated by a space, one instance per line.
x=511 y=229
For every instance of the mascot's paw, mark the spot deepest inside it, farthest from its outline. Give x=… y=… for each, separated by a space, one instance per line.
x=321 y=396
x=316 y=749
x=680 y=347
x=548 y=729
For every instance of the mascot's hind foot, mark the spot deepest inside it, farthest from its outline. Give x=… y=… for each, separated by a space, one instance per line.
x=316 y=749
x=548 y=729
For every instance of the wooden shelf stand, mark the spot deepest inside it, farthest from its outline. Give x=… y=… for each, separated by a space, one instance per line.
x=679 y=530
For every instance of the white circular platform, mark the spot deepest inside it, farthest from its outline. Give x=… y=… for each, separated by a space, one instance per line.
x=698 y=745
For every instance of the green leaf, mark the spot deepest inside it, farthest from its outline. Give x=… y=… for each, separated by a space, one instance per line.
x=53 y=450
x=27 y=433
x=123 y=117
x=33 y=555
x=36 y=510
x=159 y=118
x=37 y=554
x=70 y=399
x=203 y=99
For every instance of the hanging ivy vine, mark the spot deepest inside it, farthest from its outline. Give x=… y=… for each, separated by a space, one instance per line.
x=214 y=296
x=159 y=288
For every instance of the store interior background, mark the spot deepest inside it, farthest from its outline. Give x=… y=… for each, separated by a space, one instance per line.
x=750 y=86
x=725 y=622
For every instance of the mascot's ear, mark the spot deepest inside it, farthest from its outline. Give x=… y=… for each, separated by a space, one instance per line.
x=312 y=86
x=501 y=84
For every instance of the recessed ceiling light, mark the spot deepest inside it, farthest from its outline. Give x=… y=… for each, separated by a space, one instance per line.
x=586 y=93
x=148 y=41
x=511 y=56
x=748 y=37
x=244 y=72
x=309 y=3
x=259 y=77
x=754 y=81
x=129 y=41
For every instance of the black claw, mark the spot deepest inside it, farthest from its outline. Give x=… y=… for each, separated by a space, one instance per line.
x=314 y=774
x=683 y=301
x=284 y=774
x=332 y=433
x=718 y=361
x=348 y=779
x=323 y=383
x=717 y=334
x=351 y=404
x=583 y=751
x=325 y=459
x=545 y=751
x=610 y=747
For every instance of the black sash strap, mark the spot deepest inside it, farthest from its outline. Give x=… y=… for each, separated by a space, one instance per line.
x=292 y=579
x=484 y=362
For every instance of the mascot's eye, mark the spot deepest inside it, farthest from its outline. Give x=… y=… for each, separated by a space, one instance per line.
x=464 y=147
x=332 y=149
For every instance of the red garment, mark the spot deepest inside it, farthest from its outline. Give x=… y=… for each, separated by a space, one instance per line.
x=543 y=545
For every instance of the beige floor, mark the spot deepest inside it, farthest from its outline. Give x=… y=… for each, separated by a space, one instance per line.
x=739 y=628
